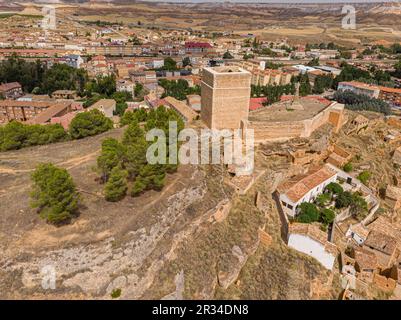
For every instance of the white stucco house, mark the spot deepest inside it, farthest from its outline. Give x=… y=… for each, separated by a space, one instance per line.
x=310 y=240
x=358 y=232
x=304 y=188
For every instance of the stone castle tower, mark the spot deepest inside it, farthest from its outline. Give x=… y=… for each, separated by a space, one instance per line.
x=225 y=96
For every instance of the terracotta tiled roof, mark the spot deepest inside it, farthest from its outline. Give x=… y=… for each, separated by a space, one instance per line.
x=365 y=259
x=197 y=45
x=381 y=242
x=295 y=188
x=8 y=86
x=182 y=108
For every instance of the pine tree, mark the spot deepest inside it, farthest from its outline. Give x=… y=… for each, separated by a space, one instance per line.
x=305 y=87
x=54 y=193
x=111 y=156
x=133 y=134
x=135 y=157
x=116 y=186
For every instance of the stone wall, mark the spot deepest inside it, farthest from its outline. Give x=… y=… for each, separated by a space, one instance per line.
x=284 y=130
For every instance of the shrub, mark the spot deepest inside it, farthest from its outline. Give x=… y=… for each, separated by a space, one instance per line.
x=364 y=176
x=54 y=193
x=327 y=216
x=309 y=213
x=116 y=186
x=323 y=199
x=89 y=123
x=348 y=167
x=15 y=135
x=111 y=156
x=334 y=188
x=343 y=200
x=116 y=293
x=137 y=188
x=358 y=207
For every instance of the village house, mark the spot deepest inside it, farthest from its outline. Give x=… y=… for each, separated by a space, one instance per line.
x=23 y=110
x=393 y=197
x=360 y=88
x=195 y=48
x=64 y=94
x=384 y=246
x=304 y=188
x=339 y=157
x=11 y=90
x=390 y=95
x=106 y=106
x=365 y=263
x=181 y=108
x=358 y=232
x=57 y=110
x=309 y=239
x=125 y=86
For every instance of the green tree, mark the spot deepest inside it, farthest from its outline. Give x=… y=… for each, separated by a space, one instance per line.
x=169 y=64
x=103 y=85
x=334 y=188
x=137 y=188
x=15 y=135
x=304 y=87
x=28 y=74
x=358 y=206
x=314 y=62
x=63 y=77
x=132 y=134
x=364 y=176
x=116 y=187
x=308 y=213
x=323 y=199
x=186 y=62
x=111 y=156
x=322 y=82
x=343 y=200
x=54 y=193
x=327 y=216
x=89 y=123
x=348 y=167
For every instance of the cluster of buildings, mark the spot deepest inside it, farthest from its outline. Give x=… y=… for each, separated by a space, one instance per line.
x=390 y=95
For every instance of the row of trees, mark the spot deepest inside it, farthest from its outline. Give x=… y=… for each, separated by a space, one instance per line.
x=37 y=78
x=272 y=93
x=322 y=82
x=15 y=135
x=123 y=165
x=178 y=89
x=358 y=102
x=372 y=76
x=138 y=115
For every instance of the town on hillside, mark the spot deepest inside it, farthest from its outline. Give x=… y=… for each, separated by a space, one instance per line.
x=316 y=214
